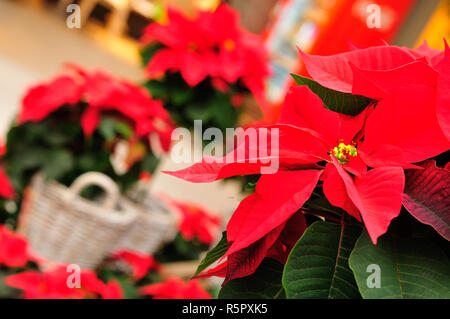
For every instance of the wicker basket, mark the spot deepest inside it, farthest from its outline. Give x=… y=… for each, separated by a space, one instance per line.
x=61 y=226
x=155 y=224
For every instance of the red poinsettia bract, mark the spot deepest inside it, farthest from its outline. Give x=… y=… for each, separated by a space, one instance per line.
x=101 y=92
x=210 y=45
x=359 y=159
x=14 y=250
x=6 y=188
x=140 y=263
x=175 y=288
x=379 y=72
x=195 y=222
x=53 y=284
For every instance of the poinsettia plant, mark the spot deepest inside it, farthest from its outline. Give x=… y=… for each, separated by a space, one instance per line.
x=23 y=274
x=125 y=274
x=359 y=205
x=175 y=288
x=83 y=121
x=198 y=229
x=143 y=276
x=14 y=257
x=203 y=66
x=51 y=283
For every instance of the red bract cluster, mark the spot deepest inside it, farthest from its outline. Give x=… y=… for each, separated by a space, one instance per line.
x=101 y=92
x=210 y=45
x=6 y=189
x=13 y=249
x=53 y=284
x=196 y=222
x=361 y=159
x=175 y=288
x=387 y=74
x=140 y=263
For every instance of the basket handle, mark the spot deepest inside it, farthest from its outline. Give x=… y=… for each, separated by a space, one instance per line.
x=98 y=179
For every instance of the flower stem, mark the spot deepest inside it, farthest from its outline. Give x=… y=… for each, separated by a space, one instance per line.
x=324 y=215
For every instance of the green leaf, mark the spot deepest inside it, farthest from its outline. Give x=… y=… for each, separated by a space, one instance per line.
x=109 y=127
x=149 y=51
x=157 y=89
x=90 y=161
x=58 y=162
x=124 y=129
x=224 y=114
x=409 y=268
x=318 y=264
x=345 y=103
x=214 y=254
x=29 y=158
x=321 y=204
x=129 y=288
x=57 y=138
x=188 y=249
x=149 y=163
x=250 y=187
x=182 y=95
x=5 y=290
x=264 y=283
x=198 y=112
x=182 y=245
x=35 y=130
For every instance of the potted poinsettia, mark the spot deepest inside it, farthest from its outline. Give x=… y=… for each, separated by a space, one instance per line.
x=22 y=274
x=359 y=204
x=142 y=276
x=7 y=192
x=131 y=270
x=126 y=274
x=83 y=121
x=51 y=283
x=198 y=229
x=15 y=257
x=202 y=67
x=175 y=288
